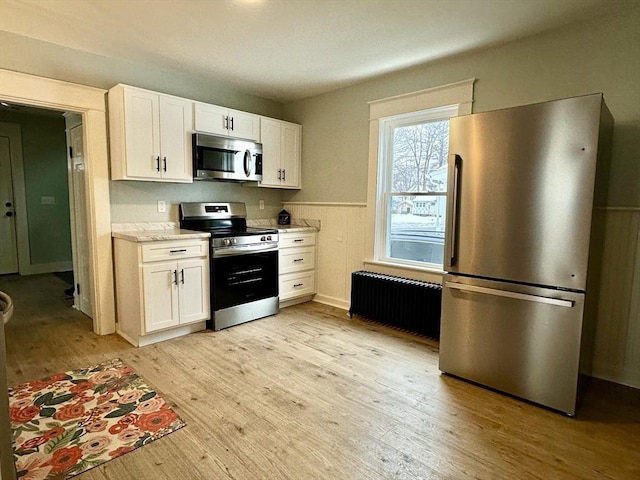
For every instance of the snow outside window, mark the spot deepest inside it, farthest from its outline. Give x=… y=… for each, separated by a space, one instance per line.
x=412 y=180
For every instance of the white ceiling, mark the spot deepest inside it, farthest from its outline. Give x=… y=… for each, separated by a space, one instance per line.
x=290 y=49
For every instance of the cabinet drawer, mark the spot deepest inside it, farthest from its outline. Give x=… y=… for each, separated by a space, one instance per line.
x=297 y=284
x=296 y=239
x=154 y=251
x=296 y=259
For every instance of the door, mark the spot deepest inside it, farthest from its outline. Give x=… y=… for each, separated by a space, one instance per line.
x=521 y=185
x=80 y=241
x=142 y=130
x=244 y=125
x=239 y=279
x=8 y=252
x=290 y=160
x=176 y=121
x=518 y=339
x=271 y=152
x=160 y=296
x=211 y=119
x=194 y=291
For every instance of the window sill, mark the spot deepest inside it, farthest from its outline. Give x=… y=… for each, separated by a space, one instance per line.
x=406 y=271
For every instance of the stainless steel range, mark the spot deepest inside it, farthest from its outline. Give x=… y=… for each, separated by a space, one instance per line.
x=244 y=262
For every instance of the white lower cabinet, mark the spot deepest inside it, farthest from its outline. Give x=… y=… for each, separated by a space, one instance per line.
x=162 y=288
x=297 y=267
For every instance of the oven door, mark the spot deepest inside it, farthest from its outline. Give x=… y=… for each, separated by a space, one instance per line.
x=243 y=277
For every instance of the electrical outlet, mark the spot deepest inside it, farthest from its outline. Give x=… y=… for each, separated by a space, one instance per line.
x=162 y=206
x=261 y=204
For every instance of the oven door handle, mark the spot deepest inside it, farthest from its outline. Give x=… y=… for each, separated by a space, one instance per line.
x=243 y=250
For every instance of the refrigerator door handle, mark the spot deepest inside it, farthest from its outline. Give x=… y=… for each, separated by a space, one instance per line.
x=506 y=293
x=453 y=218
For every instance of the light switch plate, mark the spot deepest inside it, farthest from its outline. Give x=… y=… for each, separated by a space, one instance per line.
x=162 y=206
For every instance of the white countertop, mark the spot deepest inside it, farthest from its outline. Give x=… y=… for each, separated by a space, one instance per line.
x=295 y=228
x=153 y=232
x=297 y=225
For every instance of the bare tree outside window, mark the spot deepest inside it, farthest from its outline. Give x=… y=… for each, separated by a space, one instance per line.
x=418 y=192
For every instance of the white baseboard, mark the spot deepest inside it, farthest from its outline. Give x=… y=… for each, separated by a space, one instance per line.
x=623 y=376
x=53 y=267
x=334 y=302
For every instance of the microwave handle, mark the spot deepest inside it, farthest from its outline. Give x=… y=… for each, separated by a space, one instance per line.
x=247 y=163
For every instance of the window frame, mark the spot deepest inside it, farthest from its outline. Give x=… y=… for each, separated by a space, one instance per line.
x=385 y=193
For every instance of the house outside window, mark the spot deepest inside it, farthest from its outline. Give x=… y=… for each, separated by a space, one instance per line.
x=412 y=181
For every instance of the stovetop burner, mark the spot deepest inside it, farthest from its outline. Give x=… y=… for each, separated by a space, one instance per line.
x=226 y=222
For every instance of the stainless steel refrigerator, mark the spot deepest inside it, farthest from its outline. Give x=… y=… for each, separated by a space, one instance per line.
x=522 y=247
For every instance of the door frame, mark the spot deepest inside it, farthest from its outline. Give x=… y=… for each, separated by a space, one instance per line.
x=90 y=102
x=14 y=133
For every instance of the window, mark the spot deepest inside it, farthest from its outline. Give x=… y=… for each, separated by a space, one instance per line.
x=412 y=187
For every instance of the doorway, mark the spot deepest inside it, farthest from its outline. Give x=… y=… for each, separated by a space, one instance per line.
x=89 y=102
x=49 y=181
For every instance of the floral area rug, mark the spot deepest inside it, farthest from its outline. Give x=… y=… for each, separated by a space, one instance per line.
x=70 y=422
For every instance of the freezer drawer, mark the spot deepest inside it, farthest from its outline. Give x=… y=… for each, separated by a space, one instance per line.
x=518 y=339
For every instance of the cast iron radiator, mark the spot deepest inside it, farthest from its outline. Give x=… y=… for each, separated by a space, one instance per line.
x=408 y=304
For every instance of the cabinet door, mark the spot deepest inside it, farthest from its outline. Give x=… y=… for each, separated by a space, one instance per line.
x=193 y=276
x=271 y=152
x=290 y=155
x=142 y=129
x=244 y=125
x=160 y=296
x=211 y=119
x=176 y=122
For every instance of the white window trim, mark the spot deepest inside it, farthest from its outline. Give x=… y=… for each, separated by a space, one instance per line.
x=383 y=219
x=460 y=94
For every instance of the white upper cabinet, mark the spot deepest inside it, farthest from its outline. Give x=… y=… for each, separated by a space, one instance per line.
x=281 y=147
x=227 y=122
x=150 y=135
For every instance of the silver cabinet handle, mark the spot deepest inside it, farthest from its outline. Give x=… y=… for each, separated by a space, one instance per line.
x=509 y=294
x=296 y=285
x=231 y=123
x=284 y=174
x=175 y=277
x=298 y=240
x=279 y=174
x=226 y=122
x=298 y=259
x=180 y=250
x=453 y=219
x=182 y=276
x=158 y=163
x=164 y=165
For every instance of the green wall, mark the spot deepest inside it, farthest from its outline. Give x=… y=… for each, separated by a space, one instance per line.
x=599 y=56
x=45 y=175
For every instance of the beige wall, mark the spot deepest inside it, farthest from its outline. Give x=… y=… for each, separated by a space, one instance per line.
x=27 y=55
x=600 y=56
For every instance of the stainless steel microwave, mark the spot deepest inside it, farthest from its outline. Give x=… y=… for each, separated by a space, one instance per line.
x=224 y=158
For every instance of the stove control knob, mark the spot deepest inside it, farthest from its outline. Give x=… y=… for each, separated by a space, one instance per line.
x=263 y=238
x=269 y=237
x=226 y=242
x=234 y=241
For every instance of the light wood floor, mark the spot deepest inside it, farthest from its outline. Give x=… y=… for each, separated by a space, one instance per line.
x=311 y=394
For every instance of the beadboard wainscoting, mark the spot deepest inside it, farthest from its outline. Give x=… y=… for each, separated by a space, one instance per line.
x=617 y=343
x=342 y=247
